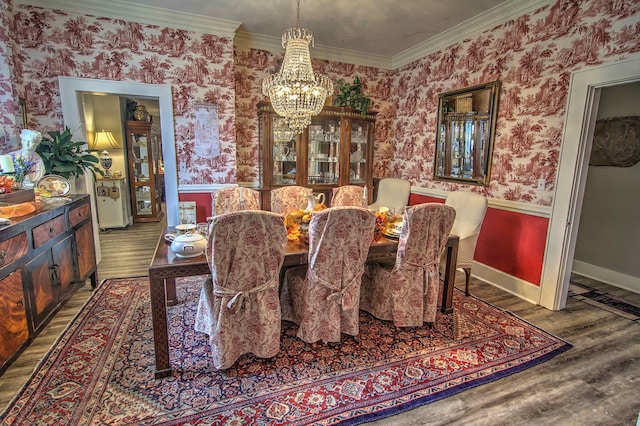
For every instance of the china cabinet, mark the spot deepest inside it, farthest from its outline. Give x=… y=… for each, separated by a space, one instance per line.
x=143 y=157
x=44 y=257
x=335 y=149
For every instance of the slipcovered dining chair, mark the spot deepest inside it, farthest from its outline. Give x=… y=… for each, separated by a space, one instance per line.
x=239 y=307
x=233 y=199
x=348 y=195
x=393 y=193
x=470 y=211
x=289 y=198
x=323 y=298
x=406 y=292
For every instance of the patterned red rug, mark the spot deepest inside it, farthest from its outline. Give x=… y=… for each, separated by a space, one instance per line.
x=101 y=369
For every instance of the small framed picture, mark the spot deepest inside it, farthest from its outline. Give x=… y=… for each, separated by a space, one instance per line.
x=187 y=212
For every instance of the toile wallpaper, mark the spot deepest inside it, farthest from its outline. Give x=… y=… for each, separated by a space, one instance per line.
x=532 y=55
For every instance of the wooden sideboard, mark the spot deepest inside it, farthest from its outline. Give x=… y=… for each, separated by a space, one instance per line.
x=44 y=257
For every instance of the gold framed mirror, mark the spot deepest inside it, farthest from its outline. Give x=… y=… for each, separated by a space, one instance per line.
x=465 y=134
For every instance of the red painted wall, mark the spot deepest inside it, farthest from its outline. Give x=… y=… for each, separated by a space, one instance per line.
x=203 y=204
x=510 y=242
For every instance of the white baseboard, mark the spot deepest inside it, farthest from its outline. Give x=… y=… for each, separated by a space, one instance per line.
x=521 y=288
x=608 y=276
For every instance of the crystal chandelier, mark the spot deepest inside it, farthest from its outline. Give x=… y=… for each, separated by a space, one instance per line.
x=282 y=134
x=296 y=92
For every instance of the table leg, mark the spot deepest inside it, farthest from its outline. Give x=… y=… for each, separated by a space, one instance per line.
x=449 y=277
x=170 y=288
x=160 y=333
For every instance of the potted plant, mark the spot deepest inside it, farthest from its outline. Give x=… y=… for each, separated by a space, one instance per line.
x=64 y=157
x=350 y=95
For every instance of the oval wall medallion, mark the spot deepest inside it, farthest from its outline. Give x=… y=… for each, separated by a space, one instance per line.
x=616 y=142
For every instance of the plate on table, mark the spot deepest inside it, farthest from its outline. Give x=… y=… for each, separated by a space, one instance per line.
x=393 y=232
x=54 y=184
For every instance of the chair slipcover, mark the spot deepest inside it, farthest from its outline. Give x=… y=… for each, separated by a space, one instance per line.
x=289 y=198
x=470 y=211
x=324 y=297
x=233 y=199
x=239 y=306
x=348 y=195
x=407 y=292
x=393 y=193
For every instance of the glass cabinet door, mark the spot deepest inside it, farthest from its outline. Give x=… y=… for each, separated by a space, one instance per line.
x=358 y=152
x=284 y=153
x=142 y=156
x=324 y=151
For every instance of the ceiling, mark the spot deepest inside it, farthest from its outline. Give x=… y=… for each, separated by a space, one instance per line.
x=380 y=27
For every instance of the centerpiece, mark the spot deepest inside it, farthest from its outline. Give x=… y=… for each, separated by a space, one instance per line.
x=297 y=222
x=386 y=221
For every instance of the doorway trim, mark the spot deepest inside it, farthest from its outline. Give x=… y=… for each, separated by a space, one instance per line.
x=72 y=87
x=582 y=107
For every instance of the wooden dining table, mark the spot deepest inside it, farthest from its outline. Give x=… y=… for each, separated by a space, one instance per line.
x=165 y=267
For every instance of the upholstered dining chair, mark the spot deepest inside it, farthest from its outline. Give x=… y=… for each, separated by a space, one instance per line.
x=406 y=292
x=239 y=307
x=289 y=198
x=233 y=199
x=470 y=209
x=393 y=193
x=348 y=195
x=323 y=298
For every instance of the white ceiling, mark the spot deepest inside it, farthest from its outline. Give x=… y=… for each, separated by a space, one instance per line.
x=381 y=27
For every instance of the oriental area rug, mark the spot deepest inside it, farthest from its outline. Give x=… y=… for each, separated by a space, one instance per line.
x=100 y=371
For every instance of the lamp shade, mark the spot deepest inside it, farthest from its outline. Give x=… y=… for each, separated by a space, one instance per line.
x=104 y=140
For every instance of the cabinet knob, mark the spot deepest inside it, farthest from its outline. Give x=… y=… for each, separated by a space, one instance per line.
x=3 y=254
x=20 y=302
x=51 y=230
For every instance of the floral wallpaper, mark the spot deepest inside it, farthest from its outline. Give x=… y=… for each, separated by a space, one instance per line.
x=533 y=56
x=252 y=66
x=199 y=67
x=9 y=107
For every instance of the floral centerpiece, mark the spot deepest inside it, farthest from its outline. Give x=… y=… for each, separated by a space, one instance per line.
x=6 y=184
x=385 y=220
x=23 y=165
x=297 y=222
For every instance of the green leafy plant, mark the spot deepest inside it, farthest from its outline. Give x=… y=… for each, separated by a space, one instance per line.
x=350 y=95
x=62 y=156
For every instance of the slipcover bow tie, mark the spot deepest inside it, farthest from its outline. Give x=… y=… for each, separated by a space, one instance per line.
x=337 y=294
x=240 y=300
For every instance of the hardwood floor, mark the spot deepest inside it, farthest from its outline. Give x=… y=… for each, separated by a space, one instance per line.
x=594 y=383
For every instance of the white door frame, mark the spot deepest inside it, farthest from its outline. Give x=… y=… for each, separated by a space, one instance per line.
x=582 y=107
x=72 y=87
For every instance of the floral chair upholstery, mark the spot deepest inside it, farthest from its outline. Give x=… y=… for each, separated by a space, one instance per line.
x=407 y=291
x=324 y=297
x=233 y=199
x=239 y=306
x=289 y=198
x=348 y=195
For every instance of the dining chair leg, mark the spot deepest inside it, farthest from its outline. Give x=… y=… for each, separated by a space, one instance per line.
x=467 y=276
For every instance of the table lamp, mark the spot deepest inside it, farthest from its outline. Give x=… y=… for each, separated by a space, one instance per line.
x=104 y=140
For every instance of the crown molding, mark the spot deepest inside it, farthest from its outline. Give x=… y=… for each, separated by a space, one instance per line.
x=151 y=15
x=498 y=15
x=274 y=45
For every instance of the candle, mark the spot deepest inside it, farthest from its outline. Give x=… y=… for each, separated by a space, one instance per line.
x=364 y=196
x=241 y=200
x=6 y=164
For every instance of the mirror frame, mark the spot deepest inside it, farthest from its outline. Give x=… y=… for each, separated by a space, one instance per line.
x=465 y=104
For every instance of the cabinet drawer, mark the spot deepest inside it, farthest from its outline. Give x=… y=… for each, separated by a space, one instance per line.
x=48 y=230
x=79 y=214
x=13 y=248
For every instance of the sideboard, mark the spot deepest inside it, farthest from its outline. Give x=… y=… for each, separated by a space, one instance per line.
x=44 y=257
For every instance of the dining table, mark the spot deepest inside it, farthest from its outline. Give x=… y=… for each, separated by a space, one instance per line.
x=166 y=266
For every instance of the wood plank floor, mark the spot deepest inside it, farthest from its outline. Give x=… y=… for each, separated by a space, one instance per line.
x=595 y=383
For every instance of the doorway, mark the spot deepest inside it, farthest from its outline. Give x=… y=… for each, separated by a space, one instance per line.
x=70 y=90
x=584 y=94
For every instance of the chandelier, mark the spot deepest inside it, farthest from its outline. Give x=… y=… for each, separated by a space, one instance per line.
x=296 y=92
